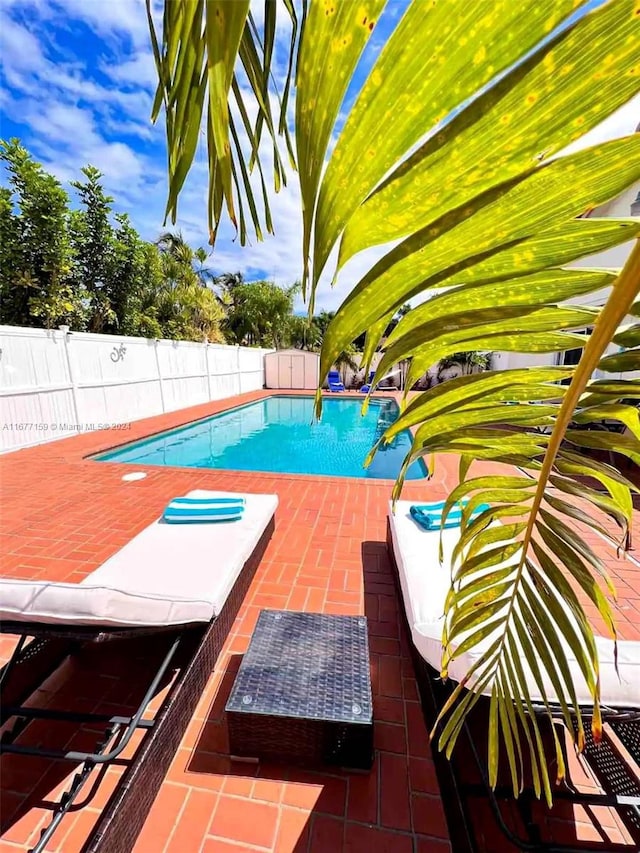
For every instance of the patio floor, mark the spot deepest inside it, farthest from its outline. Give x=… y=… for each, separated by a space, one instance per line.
x=63 y=515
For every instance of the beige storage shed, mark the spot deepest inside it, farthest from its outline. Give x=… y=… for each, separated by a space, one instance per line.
x=292 y=368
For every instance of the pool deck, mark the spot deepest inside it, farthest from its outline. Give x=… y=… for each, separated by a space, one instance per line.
x=62 y=515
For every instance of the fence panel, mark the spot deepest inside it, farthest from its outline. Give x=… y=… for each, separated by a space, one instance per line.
x=116 y=379
x=250 y=367
x=224 y=374
x=183 y=368
x=54 y=383
x=35 y=386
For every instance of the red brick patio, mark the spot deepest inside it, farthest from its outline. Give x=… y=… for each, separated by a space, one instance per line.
x=62 y=515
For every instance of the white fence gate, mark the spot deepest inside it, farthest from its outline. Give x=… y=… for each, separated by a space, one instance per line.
x=56 y=383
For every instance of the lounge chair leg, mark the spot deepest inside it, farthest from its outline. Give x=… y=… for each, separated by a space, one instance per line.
x=77 y=784
x=118 y=734
x=132 y=723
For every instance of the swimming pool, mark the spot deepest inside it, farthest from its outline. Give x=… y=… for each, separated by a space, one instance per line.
x=277 y=434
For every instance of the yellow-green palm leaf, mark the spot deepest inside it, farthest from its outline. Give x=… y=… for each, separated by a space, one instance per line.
x=450 y=160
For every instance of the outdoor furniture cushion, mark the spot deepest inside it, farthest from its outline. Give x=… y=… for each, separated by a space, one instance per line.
x=204 y=510
x=169 y=574
x=425 y=583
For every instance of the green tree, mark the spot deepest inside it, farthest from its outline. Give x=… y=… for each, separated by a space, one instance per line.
x=131 y=274
x=224 y=284
x=346 y=360
x=92 y=241
x=450 y=158
x=186 y=308
x=35 y=275
x=142 y=316
x=304 y=333
x=467 y=361
x=323 y=319
x=260 y=314
x=14 y=305
x=89 y=268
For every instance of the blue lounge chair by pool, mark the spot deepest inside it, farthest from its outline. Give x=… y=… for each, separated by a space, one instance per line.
x=367 y=386
x=335 y=383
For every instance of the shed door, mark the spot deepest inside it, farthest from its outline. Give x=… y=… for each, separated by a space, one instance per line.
x=284 y=371
x=291 y=371
x=297 y=371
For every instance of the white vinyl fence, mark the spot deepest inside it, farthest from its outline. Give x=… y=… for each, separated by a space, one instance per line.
x=55 y=383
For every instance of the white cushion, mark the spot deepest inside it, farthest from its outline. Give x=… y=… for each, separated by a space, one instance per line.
x=425 y=583
x=169 y=574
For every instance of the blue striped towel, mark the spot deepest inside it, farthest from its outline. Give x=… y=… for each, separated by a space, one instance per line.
x=429 y=516
x=189 y=510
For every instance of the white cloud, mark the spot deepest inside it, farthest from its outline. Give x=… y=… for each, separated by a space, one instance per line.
x=109 y=18
x=138 y=71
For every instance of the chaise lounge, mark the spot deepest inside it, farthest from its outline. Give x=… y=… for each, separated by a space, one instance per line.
x=183 y=582
x=424 y=583
x=336 y=385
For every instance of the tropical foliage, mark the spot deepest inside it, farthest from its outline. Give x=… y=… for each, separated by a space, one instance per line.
x=345 y=361
x=260 y=314
x=467 y=362
x=89 y=269
x=449 y=153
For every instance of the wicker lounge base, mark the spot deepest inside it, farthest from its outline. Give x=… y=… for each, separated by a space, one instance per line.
x=303 y=692
x=195 y=650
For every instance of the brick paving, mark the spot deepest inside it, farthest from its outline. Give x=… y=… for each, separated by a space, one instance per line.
x=63 y=515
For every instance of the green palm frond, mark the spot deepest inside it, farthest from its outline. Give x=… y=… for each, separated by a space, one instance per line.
x=212 y=63
x=450 y=160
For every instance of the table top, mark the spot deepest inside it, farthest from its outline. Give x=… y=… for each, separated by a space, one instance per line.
x=306 y=665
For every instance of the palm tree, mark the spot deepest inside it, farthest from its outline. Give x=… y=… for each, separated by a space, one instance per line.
x=485 y=214
x=467 y=361
x=203 y=272
x=185 y=306
x=224 y=286
x=175 y=246
x=346 y=361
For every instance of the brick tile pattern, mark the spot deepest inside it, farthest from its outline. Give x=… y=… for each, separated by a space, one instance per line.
x=63 y=515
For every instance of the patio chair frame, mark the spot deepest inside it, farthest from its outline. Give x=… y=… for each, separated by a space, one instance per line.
x=124 y=815
x=622 y=788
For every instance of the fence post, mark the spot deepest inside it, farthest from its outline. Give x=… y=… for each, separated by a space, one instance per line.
x=206 y=362
x=160 y=385
x=238 y=371
x=74 y=387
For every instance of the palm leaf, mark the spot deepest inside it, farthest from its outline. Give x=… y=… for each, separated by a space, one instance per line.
x=451 y=153
x=529 y=104
x=521 y=207
x=405 y=94
x=197 y=58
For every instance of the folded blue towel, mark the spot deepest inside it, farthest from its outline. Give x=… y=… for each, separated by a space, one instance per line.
x=429 y=516
x=188 y=510
x=218 y=500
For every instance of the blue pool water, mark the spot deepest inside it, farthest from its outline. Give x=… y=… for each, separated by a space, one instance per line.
x=278 y=434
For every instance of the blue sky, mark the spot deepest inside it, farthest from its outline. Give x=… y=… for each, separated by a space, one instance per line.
x=78 y=81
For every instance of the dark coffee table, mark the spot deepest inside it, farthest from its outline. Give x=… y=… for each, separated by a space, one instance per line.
x=303 y=692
